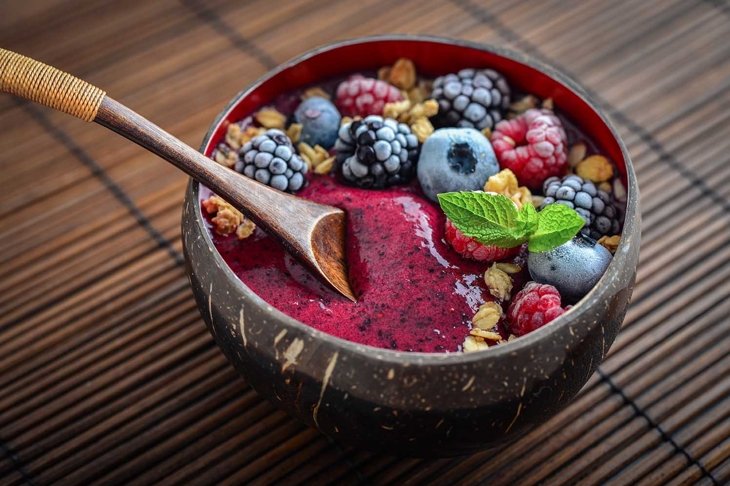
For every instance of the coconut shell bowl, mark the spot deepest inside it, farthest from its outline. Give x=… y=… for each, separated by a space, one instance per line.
x=416 y=404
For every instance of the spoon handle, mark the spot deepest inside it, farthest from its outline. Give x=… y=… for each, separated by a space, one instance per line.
x=46 y=85
x=312 y=232
x=257 y=201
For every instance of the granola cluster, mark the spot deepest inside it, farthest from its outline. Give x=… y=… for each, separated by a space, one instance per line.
x=402 y=74
x=485 y=331
x=505 y=182
x=226 y=219
x=317 y=158
x=416 y=115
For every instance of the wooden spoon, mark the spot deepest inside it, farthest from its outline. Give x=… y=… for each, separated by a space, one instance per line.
x=313 y=233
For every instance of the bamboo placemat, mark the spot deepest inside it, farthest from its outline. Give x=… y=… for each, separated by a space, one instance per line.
x=107 y=373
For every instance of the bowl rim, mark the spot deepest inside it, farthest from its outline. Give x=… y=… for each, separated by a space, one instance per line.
x=629 y=235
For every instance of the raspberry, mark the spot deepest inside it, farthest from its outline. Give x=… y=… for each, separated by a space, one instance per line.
x=533 y=307
x=472 y=249
x=533 y=146
x=361 y=96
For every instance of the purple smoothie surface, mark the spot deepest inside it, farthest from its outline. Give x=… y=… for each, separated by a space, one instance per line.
x=415 y=293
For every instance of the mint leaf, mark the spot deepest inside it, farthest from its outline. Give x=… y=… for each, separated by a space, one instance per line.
x=501 y=237
x=491 y=219
x=527 y=218
x=556 y=224
x=478 y=208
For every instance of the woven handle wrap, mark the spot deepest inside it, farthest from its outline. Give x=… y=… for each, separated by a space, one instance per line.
x=35 y=81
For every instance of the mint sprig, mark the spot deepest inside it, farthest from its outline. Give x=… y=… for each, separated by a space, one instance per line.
x=493 y=219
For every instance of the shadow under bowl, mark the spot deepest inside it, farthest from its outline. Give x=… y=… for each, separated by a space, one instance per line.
x=414 y=404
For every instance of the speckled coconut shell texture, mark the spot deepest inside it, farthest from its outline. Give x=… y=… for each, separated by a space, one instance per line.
x=410 y=403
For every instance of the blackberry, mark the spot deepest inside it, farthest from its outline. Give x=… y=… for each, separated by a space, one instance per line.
x=376 y=152
x=270 y=158
x=471 y=98
x=594 y=205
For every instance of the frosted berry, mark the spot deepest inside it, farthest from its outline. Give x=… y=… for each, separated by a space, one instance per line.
x=533 y=146
x=320 y=121
x=471 y=98
x=533 y=307
x=594 y=205
x=270 y=158
x=361 y=96
x=473 y=250
x=376 y=152
x=573 y=268
x=455 y=159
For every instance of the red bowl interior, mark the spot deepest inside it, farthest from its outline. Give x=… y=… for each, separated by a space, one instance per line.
x=432 y=58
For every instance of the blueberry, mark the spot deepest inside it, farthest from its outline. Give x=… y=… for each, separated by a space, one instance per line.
x=320 y=121
x=573 y=267
x=455 y=159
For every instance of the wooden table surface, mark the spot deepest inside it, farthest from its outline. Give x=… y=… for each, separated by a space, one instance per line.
x=107 y=374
